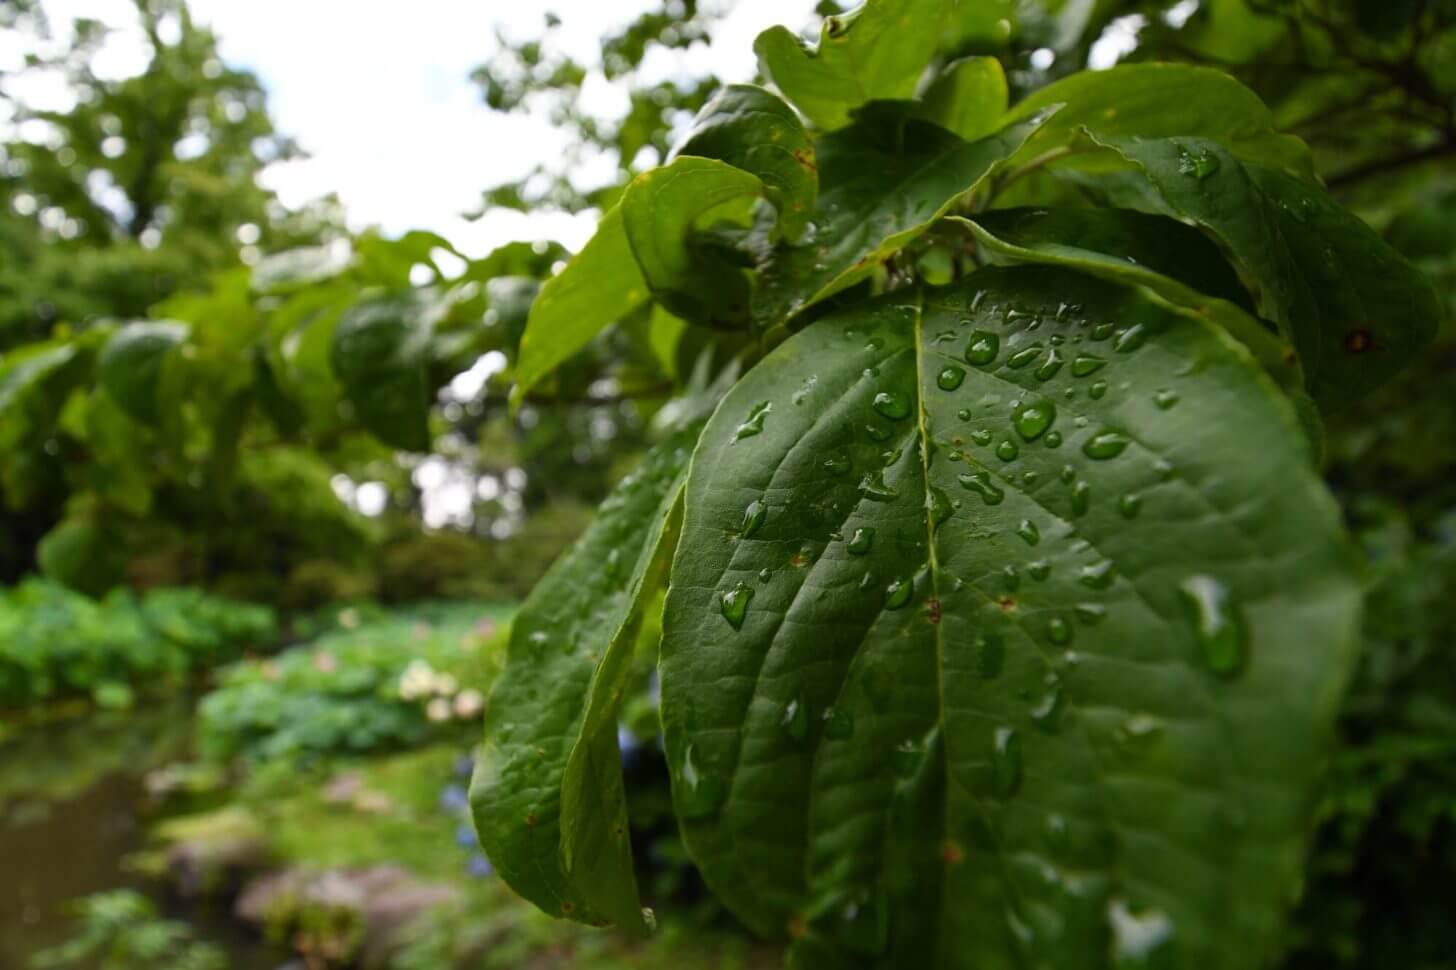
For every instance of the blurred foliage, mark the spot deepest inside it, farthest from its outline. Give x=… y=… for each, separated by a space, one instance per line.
x=55 y=643
x=122 y=930
x=381 y=683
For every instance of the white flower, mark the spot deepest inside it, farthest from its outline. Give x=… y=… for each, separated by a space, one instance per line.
x=418 y=680
x=438 y=710
x=445 y=684
x=469 y=703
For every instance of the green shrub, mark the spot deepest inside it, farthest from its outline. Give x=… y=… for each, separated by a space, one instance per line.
x=375 y=683
x=55 y=643
x=121 y=930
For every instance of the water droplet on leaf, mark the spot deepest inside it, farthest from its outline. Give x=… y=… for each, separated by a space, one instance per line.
x=734 y=604
x=950 y=377
x=982 y=347
x=1105 y=444
x=753 y=424
x=1217 y=623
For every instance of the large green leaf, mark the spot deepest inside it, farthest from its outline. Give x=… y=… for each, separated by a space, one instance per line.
x=876 y=52
x=661 y=212
x=1352 y=306
x=1162 y=101
x=883 y=181
x=23 y=373
x=131 y=366
x=547 y=795
x=1172 y=261
x=600 y=286
x=755 y=130
x=642 y=247
x=969 y=97
x=381 y=353
x=1007 y=629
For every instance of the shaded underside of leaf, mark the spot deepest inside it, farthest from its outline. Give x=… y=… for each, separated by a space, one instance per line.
x=551 y=722
x=380 y=353
x=130 y=366
x=1353 y=307
x=987 y=644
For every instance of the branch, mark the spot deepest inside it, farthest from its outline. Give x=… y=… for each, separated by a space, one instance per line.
x=1446 y=148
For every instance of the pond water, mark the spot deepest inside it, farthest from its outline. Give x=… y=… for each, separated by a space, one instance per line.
x=73 y=806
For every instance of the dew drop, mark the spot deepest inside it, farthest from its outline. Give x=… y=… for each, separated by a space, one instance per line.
x=1087 y=364
x=1046 y=713
x=1099 y=575
x=862 y=541
x=1103 y=330
x=1199 y=164
x=1140 y=941
x=1105 y=444
x=1139 y=729
x=1024 y=357
x=964 y=414
x=795 y=720
x=838 y=725
x=1050 y=366
x=1081 y=498
x=982 y=436
x=1165 y=399
x=1091 y=613
x=1007 y=450
x=1216 y=623
x=753 y=424
x=753 y=518
x=1039 y=570
x=982 y=347
x=988 y=656
x=950 y=377
x=1098 y=390
x=898 y=594
x=938 y=506
x=1059 y=631
x=1054 y=439
x=837 y=463
x=878 y=431
x=1131 y=339
x=1032 y=420
x=1130 y=505
x=765 y=574
x=1010 y=578
x=893 y=405
x=1028 y=531
x=906 y=758
x=874 y=487
x=699 y=793
x=981 y=484
x=734 y=604
x=1006 y=761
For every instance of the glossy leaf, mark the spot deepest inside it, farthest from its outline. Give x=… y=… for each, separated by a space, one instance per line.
x=755 y=130
x=300 y=267
x=547 y=796
x=1352 y=306
x=969 y=97
x=1172 y=261
x=1162 y=101
x=876 y=52
x=131 y=366
x=883 y=181
x=661 y=212
x=380 y=354
x=988 y=645
x=600 y=286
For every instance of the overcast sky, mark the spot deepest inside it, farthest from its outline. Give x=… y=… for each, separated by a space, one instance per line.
x=378 y=93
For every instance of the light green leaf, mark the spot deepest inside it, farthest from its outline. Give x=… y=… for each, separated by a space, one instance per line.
x=131 y=367
x=1352 y=306
x=380 y=354
x=600 y=286
x=1173 y=262
x=547 y=796
x=1162 y=101
x=969 y=97
x=989 y=645
x=883 y=181
x=22 y=372
x=755 y=130
x=301 y=267
x=662 y=210
x=877 y=52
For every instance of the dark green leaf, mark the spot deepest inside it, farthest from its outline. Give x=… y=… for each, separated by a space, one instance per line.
x=81 y=555
x=877 y=52
x=883 y=181
x=380 y=354
x=131 y=366
x=988 y=643
x=1356 y=310
x=547 y=796
x=753 y=129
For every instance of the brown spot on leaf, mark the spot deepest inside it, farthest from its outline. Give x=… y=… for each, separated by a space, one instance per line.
x=1006 y=603
x=1358 y=341
x=932 y=609
x=805 y=158
x=531 y=820
x=797 y=927
x=951 y=853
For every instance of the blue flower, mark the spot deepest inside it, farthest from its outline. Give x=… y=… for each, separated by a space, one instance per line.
x=454 y=799
x=465 y=837
x=479 y=867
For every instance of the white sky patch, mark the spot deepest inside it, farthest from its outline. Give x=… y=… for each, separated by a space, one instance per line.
x=379 y=96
